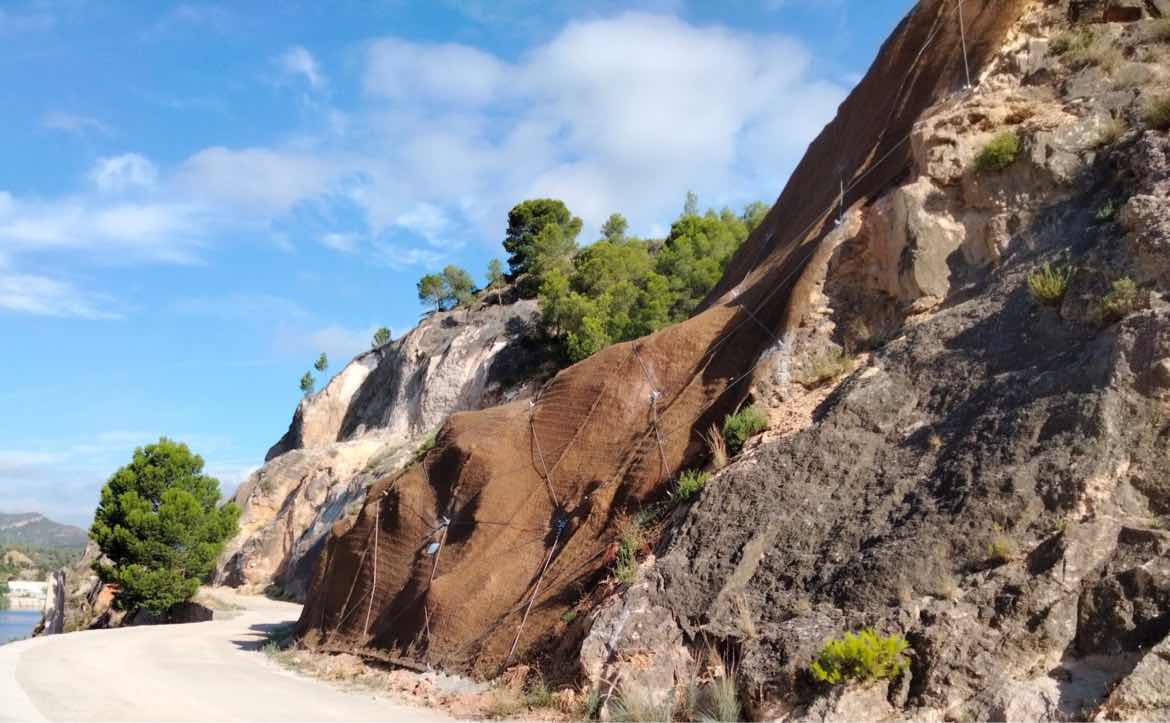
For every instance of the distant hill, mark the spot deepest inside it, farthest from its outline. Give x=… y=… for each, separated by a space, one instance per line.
x=36 y=530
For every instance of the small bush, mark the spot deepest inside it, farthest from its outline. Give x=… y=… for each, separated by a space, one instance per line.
x=723 y=701
x=568 y=616
x=741 y=426
x=1068 y=40
x=1048 y=285
x=999 y=153
x=539 y=696
x=861 y=656
x=1000 y=550
x=1123 y=299
x=631 y=537
x=1157 y=115
x=688 y=485
x=636 y=706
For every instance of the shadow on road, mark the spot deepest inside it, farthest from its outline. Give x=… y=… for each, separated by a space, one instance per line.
x=262 y=633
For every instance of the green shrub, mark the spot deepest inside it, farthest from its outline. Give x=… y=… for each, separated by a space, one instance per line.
x=1000 y=550
x=741 y=426
x=688 y=485
x=861 y=656
x=1107 y=212
x=1048 y=285
x=307 y=384
x=999 y=153
x=1123 y=299
x=631 y=537
x=1157 y=115
x=1069 y=40
x=381 y=337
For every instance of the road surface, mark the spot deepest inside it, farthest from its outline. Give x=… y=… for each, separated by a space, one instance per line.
x=199 y=672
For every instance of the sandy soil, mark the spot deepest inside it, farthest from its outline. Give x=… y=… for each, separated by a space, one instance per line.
x=201 y=672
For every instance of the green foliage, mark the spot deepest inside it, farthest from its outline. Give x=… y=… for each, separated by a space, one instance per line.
x=1107 y=212
x=322 y=363
x=741 y=426
x=1157 y=113
x=1123 y=299
x=861 y=656
x=381 y=337
x=999 y=153
x=446 y=290
x=160 y=524
x=526 y=222
x=308 y=383
x=426 y=445
x=457 y=284
x=631 y=537
x=1048 y=284
x=617 y=289
x=43 y=559
x=723 y=701
x=1000 y=550
x=431 y=290
x=689 y=484
x=754 y=214
x=568 y=616
x=539 y=696
x=495 y=274
x=691 y=205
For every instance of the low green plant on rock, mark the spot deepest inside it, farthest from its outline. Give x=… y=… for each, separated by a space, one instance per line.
x=631 y=537
x=1123 y=299
x=1048 y=284
x=1157 y=114
x=1000 y=550
x=999 y=153
x=741 y=426
x=824 y=367
x=860 y=656
x=689 y=484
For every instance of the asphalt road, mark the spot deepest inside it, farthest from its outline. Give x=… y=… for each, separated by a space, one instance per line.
x=200 y=672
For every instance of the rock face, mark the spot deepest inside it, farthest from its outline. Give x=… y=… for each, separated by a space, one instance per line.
x=990 y=483
x=53 y=618
x=366 y=423
x=469 y=559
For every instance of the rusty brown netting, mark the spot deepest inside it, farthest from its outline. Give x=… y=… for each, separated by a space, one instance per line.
x=468 y=559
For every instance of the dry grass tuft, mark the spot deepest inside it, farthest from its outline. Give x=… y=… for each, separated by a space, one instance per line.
x=716 y=447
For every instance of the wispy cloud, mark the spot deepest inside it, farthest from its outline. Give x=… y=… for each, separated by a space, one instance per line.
x=45 y=296
x=299 y=63
x=120 y=173
x=74 y=123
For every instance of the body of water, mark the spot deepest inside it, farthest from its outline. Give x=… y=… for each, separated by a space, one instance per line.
x=17 y=624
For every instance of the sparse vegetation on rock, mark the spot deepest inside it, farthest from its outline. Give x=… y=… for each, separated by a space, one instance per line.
x=1157 y=113
x=1123 y=299
x=689 y=484
x=381 y=337
x=741 y=426
x=1048 y=284
x=999 y=153
x=860 y=656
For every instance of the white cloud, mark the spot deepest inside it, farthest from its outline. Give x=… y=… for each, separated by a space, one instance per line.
x=74 y=123
x=44 y=296
x=120 y=173
x=344 y=242
x=299 y=62
x=259 y=179
x=402 y=70
x=339 y=342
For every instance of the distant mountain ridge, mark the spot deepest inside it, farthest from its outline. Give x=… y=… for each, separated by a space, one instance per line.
x=33 y=528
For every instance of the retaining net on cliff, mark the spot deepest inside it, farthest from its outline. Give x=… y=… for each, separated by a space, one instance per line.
x=469 y=558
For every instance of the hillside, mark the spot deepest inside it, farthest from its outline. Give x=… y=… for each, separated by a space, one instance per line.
x=36 y=530
x=961 y=457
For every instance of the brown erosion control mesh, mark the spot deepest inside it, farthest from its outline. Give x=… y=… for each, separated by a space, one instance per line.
x=468 y=559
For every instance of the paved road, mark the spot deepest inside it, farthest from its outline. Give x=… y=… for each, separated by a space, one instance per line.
x=201 y=672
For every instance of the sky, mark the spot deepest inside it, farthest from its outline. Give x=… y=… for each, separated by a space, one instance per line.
x=196 y=198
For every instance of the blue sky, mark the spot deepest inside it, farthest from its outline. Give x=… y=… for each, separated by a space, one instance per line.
x=197 y=198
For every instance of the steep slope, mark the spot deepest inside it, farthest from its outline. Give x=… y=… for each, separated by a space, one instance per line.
x=469 y=559
x=368 y=421
x=989 y=482
x=32 y=528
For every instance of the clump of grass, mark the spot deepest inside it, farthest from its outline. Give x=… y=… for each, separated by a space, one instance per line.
x=1157 y=114
x=631 y=537
x=1111 y=132
x=1107 y=212
x=1101 y=53
x=636 y=706
x=741 y=426
x=861 y=656
x=1123 y=299
x=688 y=485
x=824 y=367
x=1000 y=550
x=722 y=700
x=1049 y=284
x=539 y=696
x=716 y=447
x=1070 y=40
x=505 y=705
x=999 y=153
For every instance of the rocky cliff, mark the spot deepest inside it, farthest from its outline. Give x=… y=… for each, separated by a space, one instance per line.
x=367 y=422
x=472 y=558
